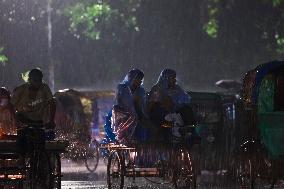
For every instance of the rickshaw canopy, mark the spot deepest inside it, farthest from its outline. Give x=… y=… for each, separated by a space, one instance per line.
x=264 y=90
x=253 y=79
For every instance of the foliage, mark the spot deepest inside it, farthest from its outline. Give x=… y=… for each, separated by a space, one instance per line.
x=211 y=27
x=3 y=58
x=25 y=76
x=244 y=16
x=280 y=44
x=91 y=18
x=277 y=2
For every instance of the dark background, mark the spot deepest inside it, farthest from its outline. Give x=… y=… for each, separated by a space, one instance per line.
x=166 y=34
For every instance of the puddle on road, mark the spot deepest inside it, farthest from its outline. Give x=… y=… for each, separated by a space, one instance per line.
x=83 y=185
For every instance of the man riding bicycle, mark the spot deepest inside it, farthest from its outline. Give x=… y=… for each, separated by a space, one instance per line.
x=34 y=105
x=35 y=111
x=33 y=101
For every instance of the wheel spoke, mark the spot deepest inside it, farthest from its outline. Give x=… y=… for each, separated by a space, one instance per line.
x=115 y=177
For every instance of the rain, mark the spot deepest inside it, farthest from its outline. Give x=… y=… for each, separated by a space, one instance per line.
x=227 y=59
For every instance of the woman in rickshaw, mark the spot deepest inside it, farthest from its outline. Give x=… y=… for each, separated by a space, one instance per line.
x=168 y=99
x=129 y=108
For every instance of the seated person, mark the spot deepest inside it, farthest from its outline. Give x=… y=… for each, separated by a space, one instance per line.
x=129 y=108
x=166 y=97
x=167 y=86
x=34 y=103
x=7 y=114
x=157 y=115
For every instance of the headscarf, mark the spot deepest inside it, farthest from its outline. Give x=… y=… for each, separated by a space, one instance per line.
x=124 y=96
x=161 y=89
x=125 y=126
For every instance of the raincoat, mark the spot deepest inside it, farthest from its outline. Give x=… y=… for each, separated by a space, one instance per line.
x=161 y=89
x=129 y=106
x=165 y=99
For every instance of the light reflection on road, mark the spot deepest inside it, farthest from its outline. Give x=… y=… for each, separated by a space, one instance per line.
x=83 y=185
x=76 y=176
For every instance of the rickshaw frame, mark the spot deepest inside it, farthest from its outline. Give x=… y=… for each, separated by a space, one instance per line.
x=254 y=165
x=174 y=164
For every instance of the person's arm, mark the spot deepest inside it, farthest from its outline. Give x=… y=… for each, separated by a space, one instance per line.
x=15 y=99
x=51 y=104
x=52 y=110
x=183 y=98
x=154 y=97
x=124 y=98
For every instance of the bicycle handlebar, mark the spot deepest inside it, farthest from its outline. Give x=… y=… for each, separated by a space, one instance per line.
x=35 y=125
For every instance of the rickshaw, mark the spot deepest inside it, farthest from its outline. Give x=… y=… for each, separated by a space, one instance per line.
x=259 y=160
x=38 y=166
x=167 y=158
x=73 y=119
x=209 y=116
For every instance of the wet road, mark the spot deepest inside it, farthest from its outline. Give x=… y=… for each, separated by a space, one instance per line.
x=76 y=176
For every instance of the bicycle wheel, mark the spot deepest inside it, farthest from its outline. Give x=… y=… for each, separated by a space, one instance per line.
x=92 y=156
x=55 y=162
x=244 y=172
x=184 y=173
x=40 y=171
x=115 y=171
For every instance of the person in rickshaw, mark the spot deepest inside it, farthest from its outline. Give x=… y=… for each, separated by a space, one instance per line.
x=168 y=99
x=129 y=109
x=33 y=102
x=8 y=122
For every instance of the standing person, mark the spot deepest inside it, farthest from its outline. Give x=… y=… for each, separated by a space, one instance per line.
x=130 y=107
x=7 y=113
x=33 y=101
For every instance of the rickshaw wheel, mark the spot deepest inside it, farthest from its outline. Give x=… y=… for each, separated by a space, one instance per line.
x=264 y=176
x=184 y=175
x=115 y=171
x=55 y=182
x=244 y=173
x=92 y=156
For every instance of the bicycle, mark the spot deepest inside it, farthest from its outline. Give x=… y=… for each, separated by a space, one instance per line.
x=41 y=167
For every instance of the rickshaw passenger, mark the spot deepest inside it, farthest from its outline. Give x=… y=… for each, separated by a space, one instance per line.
x=7 y=114
x=166 y=91
x=167 y=86
x=129 y=108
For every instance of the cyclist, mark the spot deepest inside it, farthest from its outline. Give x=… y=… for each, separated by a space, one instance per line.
x=35 y=108
x=33 y=101
x=34 y=104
